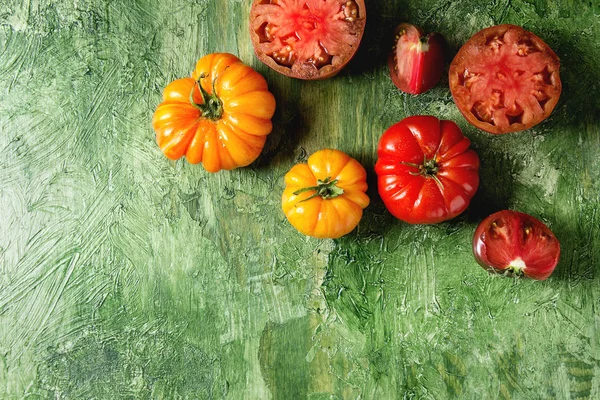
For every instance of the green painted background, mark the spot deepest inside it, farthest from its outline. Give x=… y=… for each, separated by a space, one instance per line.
x=124 y=275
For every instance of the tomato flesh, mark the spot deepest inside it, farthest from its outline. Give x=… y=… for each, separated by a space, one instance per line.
x=417 y=61
x=516 y=244
x=307 y=39
x=505 y=79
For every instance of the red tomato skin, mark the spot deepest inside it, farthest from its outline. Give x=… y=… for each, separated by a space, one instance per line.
x=418 y=198
x=514 y=243
x=417 y=61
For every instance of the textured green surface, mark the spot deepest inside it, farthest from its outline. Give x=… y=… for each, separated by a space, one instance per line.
x=124 y=275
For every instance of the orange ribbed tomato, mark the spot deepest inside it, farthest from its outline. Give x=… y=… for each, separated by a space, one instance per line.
x=221 y=116
x=325 y=198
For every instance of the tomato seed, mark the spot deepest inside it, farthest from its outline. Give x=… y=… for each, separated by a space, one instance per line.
x=469 y=78
x=497 y=99
x=267 y=31
x=495 y=44
x=350 y=10
x=525 y=47
x=320 y=57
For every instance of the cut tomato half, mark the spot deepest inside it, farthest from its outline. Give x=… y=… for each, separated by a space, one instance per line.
x=307 y=39
x=512 y=243
x=505 y=79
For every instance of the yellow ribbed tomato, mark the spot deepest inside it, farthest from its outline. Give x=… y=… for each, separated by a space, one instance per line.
x=325 y=198
x=221 y=116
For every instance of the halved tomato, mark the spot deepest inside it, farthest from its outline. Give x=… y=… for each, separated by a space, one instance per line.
x=516 y=244
x=307 y=39
x=505 y=79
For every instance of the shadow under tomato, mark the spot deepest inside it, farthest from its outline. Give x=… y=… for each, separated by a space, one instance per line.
x=502 y=160
x=579 y=72
x=378 y=38
x=289 y=122
x=574 y=124
x=578 y=257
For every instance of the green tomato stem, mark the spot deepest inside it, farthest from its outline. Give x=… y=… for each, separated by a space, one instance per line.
x=212 y=106
x=327 y=189
x=428 y=169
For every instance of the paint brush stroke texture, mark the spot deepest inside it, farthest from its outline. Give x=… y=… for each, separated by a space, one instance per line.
x=125 y=275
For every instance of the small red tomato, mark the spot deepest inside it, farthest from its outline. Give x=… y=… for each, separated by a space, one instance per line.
x=417 y=60
x=426 y=172
x=516 y=244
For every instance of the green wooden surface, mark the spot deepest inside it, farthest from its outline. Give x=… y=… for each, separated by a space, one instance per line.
x=124 y=275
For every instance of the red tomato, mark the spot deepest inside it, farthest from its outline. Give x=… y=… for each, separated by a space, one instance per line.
x=426 y=171
x=417 y=61
x=516 y=244
x=505 y=79
x=307 y=39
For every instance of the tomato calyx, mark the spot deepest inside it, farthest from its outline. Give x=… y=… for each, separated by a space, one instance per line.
x=212 y=106
x=428 y=169
x=327 y=189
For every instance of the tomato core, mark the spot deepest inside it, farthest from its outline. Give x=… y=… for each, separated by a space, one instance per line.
x=516 y=267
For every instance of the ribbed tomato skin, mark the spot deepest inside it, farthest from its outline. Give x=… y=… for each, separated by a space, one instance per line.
x=419 y=198
x=237 y=136
x=320 y=217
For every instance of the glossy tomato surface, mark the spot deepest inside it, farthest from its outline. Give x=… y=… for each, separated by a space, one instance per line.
x=417 y=61
x=426 y=172
x=220 y=116
x=516 y=244
x=325 y=197
x=307 y=39
x=505 y=79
